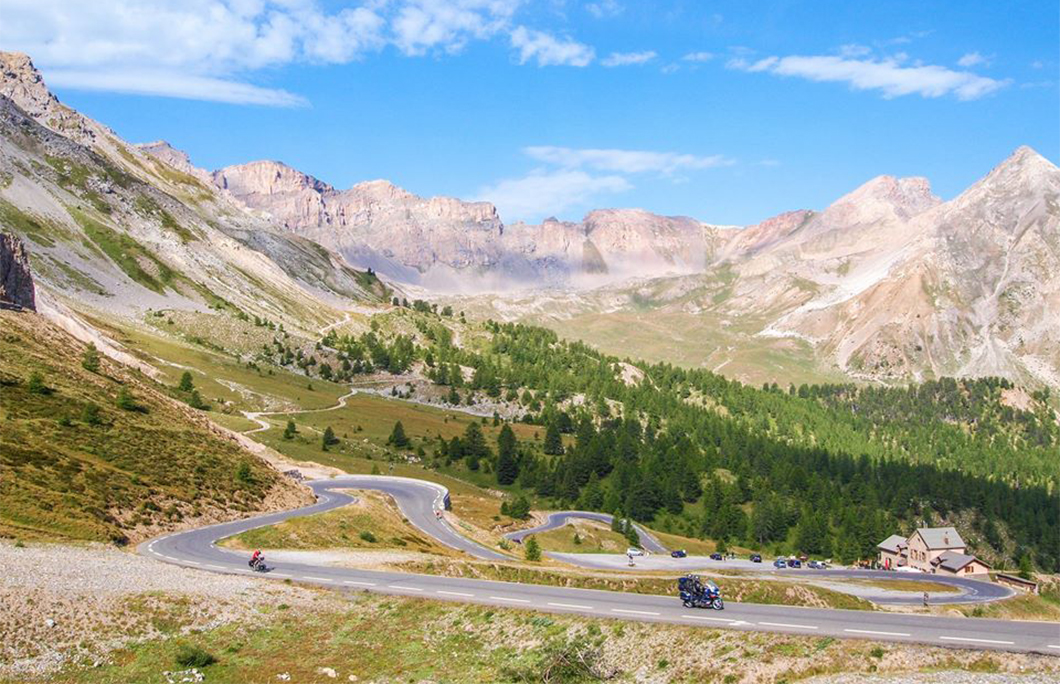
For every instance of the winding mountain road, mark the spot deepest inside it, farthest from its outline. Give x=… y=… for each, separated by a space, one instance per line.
x=561 y=518
x=421 y=502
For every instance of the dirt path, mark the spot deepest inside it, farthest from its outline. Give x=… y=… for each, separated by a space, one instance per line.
x=264 y=425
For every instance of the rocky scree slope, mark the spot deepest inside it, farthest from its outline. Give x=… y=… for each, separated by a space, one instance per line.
x=114 y=229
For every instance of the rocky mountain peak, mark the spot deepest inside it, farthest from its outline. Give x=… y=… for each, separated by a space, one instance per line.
x=23 y=84
x=883 y=198
x=1024 y=166
x=266 y=178
x=20 y=81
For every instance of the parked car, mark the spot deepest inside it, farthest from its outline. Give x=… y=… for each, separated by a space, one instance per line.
x=780 y=563
x=716 y=556
x=678 y=553
x=794 y=563
x=817 y=565
x=631 y=551
x=756 y=558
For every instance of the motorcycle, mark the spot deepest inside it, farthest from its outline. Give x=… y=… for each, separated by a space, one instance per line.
x=696 y=594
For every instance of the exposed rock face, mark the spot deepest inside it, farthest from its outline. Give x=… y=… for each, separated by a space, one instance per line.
x=444 y=242
x=22 y=83
x=16 y=281
x=73 y=188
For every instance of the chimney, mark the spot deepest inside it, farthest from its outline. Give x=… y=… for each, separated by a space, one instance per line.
x=946 y=540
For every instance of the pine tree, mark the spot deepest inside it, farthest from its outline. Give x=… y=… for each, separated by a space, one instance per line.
x=291 y=430
x=90 y=359
x=398 y=437
x=533 y=550
x=553 y=440
x=507 y=465
x=186 y=383
x=328 y=439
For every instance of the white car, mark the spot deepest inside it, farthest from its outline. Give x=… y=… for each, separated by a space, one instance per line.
x=634 y=552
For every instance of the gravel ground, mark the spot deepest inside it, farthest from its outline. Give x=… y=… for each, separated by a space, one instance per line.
x=952 y=677
x=75 y=603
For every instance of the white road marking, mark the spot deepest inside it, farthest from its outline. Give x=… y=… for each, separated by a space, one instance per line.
x=575 y=606
x=454 y=593
x=704 y=617
x=1051 y=646
x=870 y=631
x=279 y=574
x=359 y=584
x=513 y=600
x=786 y=624
x=633 y=612
x=216 y=567
x=193 y=562
x=398 y=586
x=318 y=579
x=978 y=641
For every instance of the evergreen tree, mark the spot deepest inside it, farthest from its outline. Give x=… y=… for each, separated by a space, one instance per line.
x=398 y=437
x=328 y=439
x=507 y=465
x=186 y=383
x=291 y=430
x=532 y=550
x=553 y=445
x=90 y=359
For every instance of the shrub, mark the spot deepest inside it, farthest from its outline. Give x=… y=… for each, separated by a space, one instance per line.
x=243 y=473
x=125 y=400
x=368 y=537
x=90 y=359
x=90 y=415
x=193 y=656
x=36 y=384
x=876 y=652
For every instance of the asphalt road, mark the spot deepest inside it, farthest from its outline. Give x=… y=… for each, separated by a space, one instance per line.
x=968 y=590
x=557 y=520
x=419 y=502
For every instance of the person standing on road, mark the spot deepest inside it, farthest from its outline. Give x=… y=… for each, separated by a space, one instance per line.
x=925 y=599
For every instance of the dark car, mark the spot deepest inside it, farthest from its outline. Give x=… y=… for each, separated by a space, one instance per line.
x=794 y=563
x=756 y=558
x=780 y=563
x=715 y=556
x=679 y=553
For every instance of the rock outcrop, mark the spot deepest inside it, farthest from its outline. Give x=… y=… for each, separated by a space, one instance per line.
x=16 y=281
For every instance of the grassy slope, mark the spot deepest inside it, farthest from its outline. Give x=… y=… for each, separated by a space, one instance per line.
x=733 y=588
x=342 y=528
x=137 y=472
x=393 y=639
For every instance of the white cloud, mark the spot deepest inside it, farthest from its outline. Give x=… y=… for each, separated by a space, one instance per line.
x=423 y=25
x=544 y=193
x=605 y=8
x=207 y=49
x=886 y=75
x=624 y=161
x=698 y=57
x=547 y=50
x=628 y=58
x=971 y=59
x=854 y=50
x=170 y=84
x=1037 y=64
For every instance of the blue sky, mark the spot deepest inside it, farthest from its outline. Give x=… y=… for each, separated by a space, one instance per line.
x=726 y=111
